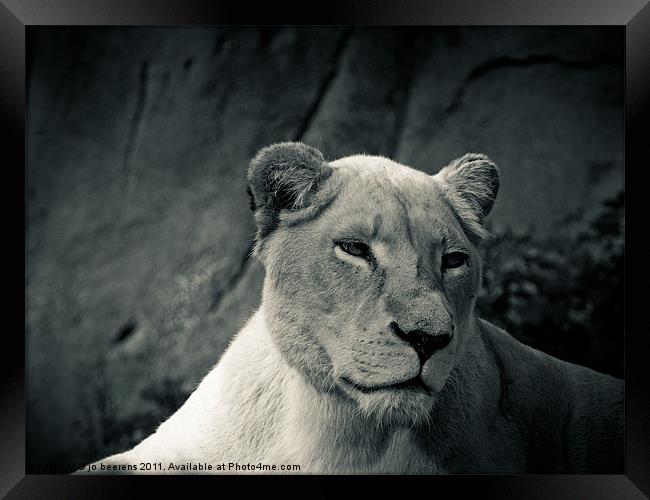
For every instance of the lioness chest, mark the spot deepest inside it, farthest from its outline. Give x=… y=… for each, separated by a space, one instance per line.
x=400 y=451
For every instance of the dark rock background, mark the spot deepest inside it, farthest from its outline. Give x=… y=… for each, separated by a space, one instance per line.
x=138 y=226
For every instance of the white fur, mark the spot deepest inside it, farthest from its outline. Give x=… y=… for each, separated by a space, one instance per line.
x=253 y=408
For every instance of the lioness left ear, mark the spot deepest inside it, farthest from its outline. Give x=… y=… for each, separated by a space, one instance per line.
x=284 y=177
x=471 y=183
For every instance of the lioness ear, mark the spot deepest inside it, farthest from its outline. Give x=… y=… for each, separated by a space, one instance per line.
x=284 y=176
x=471 y=183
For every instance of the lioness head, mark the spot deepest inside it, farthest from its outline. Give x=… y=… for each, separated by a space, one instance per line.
x=372 y=270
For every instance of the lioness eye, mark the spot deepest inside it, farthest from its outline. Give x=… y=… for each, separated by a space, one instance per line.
x=453 y=259
x=355 y=248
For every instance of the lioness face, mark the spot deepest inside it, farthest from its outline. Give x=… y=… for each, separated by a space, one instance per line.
x=369 y=294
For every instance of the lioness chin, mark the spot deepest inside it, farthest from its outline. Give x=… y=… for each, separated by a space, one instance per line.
x=366 y=355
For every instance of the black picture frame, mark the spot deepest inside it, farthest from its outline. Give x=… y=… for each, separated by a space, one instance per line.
x=17 y=15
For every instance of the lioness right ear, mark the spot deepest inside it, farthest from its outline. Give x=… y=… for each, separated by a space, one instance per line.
x=471 y=184
x=284 y=176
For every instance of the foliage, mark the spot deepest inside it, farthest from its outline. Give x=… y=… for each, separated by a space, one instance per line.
x=562 y=295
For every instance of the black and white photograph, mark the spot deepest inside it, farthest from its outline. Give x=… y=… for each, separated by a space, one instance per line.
x=325 y=250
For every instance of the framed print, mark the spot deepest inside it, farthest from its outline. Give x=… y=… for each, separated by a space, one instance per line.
x=382 y=241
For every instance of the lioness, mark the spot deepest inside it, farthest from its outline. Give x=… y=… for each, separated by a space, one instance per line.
x=366 y=355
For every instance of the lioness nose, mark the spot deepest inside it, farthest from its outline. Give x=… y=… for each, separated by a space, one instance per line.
x=424 y=343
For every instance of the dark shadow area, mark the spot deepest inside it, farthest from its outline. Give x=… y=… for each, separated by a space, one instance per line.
x=562 y=295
